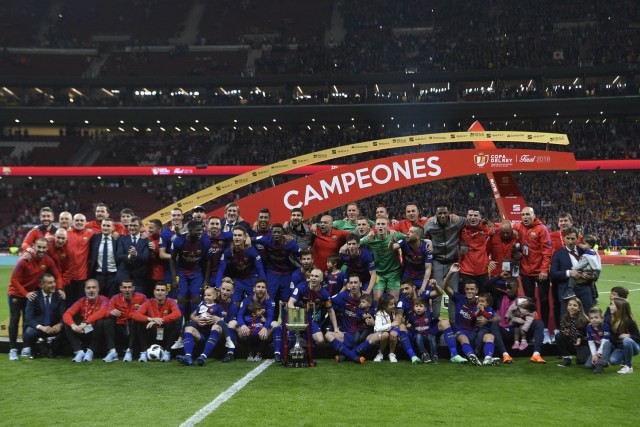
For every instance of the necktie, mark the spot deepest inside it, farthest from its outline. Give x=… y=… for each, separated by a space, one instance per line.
x=574 y=254
x=105 y=256
x=47 y=311
x=134 y=240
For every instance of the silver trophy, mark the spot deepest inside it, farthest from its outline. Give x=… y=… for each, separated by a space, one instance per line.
x=297 y=320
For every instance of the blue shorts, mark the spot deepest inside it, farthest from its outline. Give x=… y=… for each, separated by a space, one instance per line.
x=243 y=287
x=471 y=336
x=190 y=285
x=279 y=284
x=204 y=330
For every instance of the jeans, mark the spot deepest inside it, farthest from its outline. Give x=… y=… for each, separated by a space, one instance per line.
x=420 y=344
x=625 y=354
x=607 y=348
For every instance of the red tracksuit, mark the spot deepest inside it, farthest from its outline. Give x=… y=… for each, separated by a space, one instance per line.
x=475 y=262
x=499 y=250
x=538 y=240
x=26 y=275
x=62 y=258
x=90 y=311
x=168 y=311
x=78 y=245
x=127 y=308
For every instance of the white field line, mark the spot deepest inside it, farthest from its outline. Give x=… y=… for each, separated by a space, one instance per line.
x=226 y=395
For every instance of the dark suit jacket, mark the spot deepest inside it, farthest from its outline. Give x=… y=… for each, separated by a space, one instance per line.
x=560 y=263
x=136 y=268
x=34 y=313
x=96 y=241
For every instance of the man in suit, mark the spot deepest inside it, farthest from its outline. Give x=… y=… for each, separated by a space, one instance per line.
x=103 y=264
x=231 y=218
x=562 y=263
x=43 y=318
x=132 y=256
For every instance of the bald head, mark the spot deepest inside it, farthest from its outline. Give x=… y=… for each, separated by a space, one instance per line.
x=528 y=216
x=506 y=230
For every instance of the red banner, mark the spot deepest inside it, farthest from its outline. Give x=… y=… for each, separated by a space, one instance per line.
x=230 y=170
x=324 y=191
x=147 y=170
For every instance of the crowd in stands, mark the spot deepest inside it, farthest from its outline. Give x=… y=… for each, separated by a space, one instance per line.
x=436 y=36
x=410 y=93
x=239 y=145
x=406 y=37
x=613 y=139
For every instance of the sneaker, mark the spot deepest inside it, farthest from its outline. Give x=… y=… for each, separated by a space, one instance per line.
x=536 y=358
x=570 y=294
x=201 y=360
x=251 y=358
x=598 y=369
x=127 y=357
x=507 y=359
x=88 y=356
x=258 y=358
x=565 y=362
x=379 y=357
x=515 y=346
x=340 y=358
x=178 y=344
x=488 y=361
x=415 y=360
x=435 y=359
x=228 y=342
x=425 y=358
x=111 y=356
x=277 y=357
x=523 y=345
x=458 y=359
x=13 y=354
x=185 y=360
x=26 y=352
x=547 y=337
x=143 y=357
x=393 y=358
x=79 y=356
x=474 y=359
x=228 y=357
x=625 y=370
x=166 y=356
x=360 y=360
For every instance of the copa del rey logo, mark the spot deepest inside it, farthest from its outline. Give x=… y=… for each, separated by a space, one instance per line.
x=494 y=160
x=480 y=159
